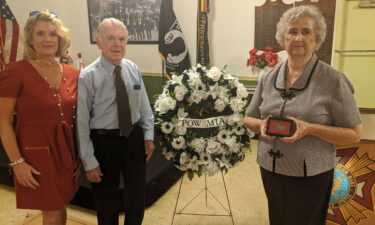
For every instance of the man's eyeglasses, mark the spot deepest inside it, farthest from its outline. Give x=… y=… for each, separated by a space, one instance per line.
x=37 y=13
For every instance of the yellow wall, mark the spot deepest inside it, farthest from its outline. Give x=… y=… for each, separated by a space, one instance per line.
x=355 y=30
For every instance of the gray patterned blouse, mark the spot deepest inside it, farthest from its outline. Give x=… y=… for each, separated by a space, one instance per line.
x=320 y=95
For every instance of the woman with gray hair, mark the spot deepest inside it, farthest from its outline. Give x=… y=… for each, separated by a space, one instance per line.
x=302 y=109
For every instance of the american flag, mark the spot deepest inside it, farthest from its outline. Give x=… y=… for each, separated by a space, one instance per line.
x=10 y=36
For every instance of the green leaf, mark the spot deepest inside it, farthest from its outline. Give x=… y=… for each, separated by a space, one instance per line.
x=190 y=174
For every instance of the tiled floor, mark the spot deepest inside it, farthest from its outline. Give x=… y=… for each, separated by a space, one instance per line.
x=245 y=191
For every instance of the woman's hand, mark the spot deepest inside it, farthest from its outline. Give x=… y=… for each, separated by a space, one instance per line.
x=24 y=175
x=77 y=170
x=300 y=132
x=263 y=128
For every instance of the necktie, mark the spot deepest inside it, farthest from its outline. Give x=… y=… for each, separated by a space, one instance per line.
x=123 y=108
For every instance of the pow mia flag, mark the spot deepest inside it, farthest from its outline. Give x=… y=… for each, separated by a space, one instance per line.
x=172 y=45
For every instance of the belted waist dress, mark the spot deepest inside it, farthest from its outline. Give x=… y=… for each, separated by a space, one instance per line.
x=44 y=132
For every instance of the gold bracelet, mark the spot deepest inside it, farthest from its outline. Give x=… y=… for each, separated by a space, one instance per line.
x=18 y=161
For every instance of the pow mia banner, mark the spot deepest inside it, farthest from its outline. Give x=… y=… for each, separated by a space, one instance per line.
x=204 y=123
x=172 y=45
x=203 y=55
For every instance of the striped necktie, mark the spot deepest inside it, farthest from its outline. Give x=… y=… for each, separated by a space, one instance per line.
x=123 y=108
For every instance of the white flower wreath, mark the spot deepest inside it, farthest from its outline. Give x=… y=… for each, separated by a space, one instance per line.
x=200 y=113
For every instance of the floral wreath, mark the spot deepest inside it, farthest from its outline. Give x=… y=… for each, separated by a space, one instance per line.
x=207 y=98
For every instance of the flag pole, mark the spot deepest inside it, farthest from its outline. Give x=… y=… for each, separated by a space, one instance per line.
x=162 y=71
x=2 y=51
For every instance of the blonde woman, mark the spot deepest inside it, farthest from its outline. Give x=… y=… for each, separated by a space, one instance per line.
x=42 y=92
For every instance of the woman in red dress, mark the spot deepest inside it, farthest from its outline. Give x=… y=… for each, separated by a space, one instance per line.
x=42 y=92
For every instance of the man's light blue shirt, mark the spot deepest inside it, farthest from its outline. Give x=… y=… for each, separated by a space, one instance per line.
x=97 y=107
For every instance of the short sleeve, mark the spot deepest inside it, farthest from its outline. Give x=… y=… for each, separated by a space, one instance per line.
x=344 y=110
x=10 y=82
x=253 y=108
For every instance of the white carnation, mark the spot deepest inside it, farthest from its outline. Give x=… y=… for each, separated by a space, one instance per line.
x=164 y=103
x=237 y=104
x=194 y=80
x=198 y=144
x=241 y=91
x=235 y=148
x=180 y=91
x=196 y=96
x=235 y=118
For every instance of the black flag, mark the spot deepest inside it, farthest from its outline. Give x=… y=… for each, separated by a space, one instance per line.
x=203 y=55
x=172 y=45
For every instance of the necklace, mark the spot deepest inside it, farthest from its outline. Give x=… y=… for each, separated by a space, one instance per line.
x=48 y=64
x=56 y=92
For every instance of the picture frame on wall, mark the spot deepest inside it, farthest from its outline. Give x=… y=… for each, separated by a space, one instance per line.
x=141 y=17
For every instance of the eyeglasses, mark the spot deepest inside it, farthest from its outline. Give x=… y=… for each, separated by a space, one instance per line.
x=37 y=13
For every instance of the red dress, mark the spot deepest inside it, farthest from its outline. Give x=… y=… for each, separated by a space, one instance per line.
x=44 y=133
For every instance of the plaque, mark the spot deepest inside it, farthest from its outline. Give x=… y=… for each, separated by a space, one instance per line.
x=280 y=127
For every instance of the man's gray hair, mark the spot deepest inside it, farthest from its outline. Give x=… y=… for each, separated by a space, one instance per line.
x=294 y=14
x=109 y=20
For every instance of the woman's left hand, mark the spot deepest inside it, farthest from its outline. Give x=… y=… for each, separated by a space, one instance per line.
x=77 y=170
x=300 y=132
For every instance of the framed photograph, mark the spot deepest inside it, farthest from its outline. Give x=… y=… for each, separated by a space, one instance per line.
x=141 y=17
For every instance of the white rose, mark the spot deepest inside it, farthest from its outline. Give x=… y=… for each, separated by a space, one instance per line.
x=214 y=73
x=212 y=146
x=180 y=130
x=184 y=159
x=220 y=105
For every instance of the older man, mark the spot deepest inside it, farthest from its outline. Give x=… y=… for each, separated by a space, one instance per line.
x=115 y=127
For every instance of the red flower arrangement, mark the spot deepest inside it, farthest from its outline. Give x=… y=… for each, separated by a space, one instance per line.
x=267 y=58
